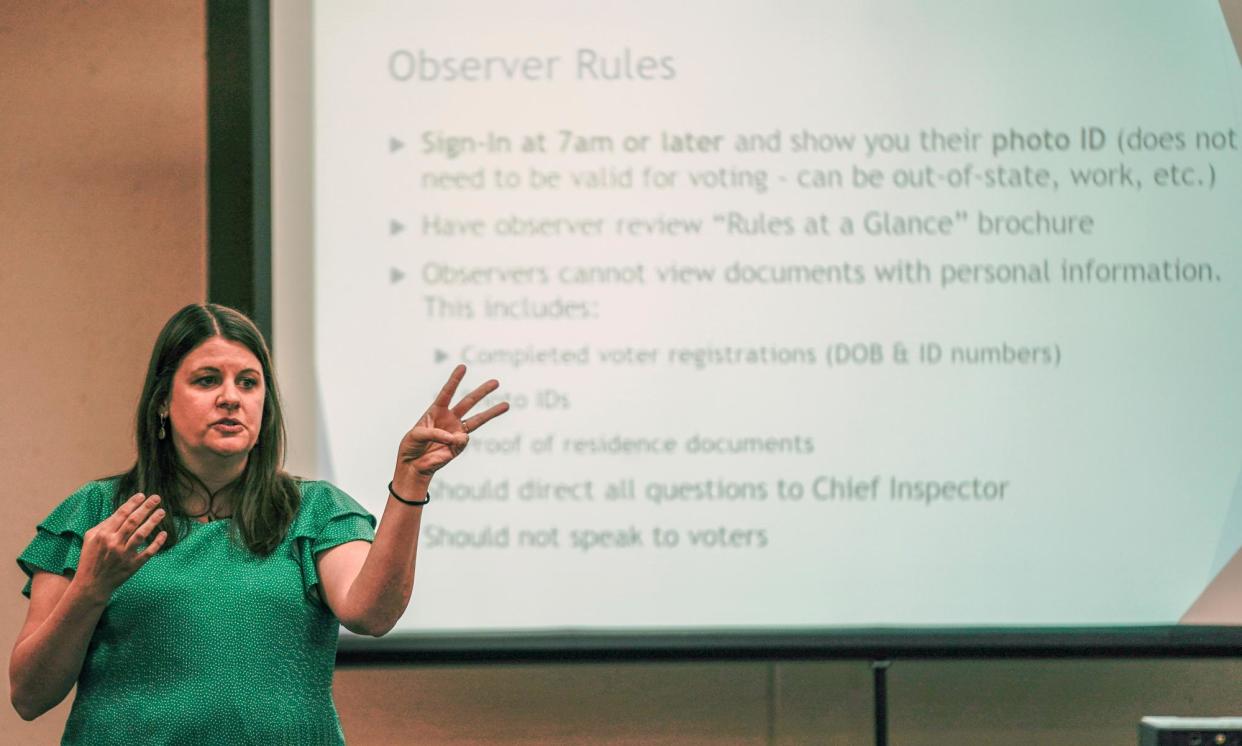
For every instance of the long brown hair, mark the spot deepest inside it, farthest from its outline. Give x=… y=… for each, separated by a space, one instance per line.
x=266 y=499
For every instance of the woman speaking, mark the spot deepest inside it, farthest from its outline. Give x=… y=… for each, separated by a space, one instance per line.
x=197 y=598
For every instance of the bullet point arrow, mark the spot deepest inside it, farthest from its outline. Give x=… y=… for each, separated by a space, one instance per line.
x=395 y=275
x=394 y=145
x=395 y=227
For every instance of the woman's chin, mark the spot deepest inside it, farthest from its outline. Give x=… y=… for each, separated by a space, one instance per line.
x=231 y=450
x=221 y=451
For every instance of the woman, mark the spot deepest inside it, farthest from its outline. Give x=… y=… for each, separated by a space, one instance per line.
x=197 y=598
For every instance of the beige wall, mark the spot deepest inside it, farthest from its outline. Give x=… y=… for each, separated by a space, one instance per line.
x=932 y=703
x=102 y=223
x=1232 y=10
x=102 y=153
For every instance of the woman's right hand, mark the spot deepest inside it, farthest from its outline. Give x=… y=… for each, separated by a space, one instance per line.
x=110 y=550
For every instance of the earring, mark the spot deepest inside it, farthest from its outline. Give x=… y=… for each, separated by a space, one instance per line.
x=163 y=417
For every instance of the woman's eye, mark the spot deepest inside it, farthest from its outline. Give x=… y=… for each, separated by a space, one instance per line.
x=206 y=380
x=249 y=383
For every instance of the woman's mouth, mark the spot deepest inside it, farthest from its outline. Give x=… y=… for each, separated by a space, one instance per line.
x=227 y=426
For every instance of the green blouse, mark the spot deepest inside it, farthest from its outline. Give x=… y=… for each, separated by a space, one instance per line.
x=208 y=643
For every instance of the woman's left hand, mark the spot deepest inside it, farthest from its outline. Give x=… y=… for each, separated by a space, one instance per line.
x=443 y=431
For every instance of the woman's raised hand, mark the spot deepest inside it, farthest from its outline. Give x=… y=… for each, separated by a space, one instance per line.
x=110 y=550
x=442 y=431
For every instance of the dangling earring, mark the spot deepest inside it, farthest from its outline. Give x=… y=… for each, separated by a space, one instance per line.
x=163 y=417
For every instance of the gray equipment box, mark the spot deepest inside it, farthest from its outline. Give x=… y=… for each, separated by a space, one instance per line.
x=1175 y=731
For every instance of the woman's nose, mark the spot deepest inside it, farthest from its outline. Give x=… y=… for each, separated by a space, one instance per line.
x=228 y=397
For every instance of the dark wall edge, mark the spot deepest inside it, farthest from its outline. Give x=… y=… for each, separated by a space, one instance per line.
x=239 y=234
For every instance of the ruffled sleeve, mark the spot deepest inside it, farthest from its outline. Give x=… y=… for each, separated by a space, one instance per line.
x=328 y=517
x=57 y=544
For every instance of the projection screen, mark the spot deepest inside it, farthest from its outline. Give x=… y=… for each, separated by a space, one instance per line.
x=812 y=316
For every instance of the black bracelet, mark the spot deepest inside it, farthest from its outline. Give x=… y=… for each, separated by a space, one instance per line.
x=401 y=499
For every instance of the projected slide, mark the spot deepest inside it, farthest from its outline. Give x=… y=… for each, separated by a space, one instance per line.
x=810 y=314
